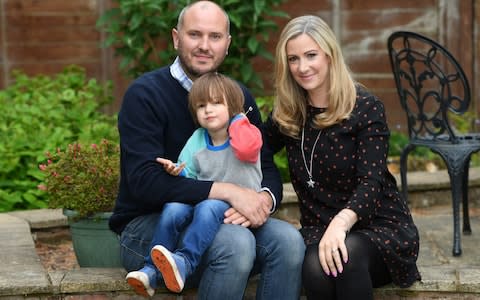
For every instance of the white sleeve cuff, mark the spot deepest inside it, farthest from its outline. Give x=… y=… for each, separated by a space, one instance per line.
x=274 y=206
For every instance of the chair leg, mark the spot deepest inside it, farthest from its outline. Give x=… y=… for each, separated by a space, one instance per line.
x=456 y=181
x=403 y=169
x=466 y=215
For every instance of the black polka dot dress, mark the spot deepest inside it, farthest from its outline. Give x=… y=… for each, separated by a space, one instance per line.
x=349 y=170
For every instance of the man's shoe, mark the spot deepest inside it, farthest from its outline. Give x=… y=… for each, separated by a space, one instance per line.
x=171 y=266
x=143 y=281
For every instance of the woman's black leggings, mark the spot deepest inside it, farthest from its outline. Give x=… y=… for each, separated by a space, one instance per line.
x=364 y=270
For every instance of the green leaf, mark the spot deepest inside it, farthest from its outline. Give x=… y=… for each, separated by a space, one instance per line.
x=246 y=71
x=136 y=21
x=252 y=44
x=278 y=13
x=265 y=54
x=259 y=6
x=108 y=16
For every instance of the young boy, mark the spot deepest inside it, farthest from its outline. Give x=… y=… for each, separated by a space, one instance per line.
x=225 y=148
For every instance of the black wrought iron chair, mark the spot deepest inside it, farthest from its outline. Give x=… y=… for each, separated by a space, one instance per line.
x=432 y=86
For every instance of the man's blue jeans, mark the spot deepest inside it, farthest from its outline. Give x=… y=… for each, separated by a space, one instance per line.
x=188 y=230
x=275 y=250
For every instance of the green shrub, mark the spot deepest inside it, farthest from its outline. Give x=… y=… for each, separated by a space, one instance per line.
x=140 y=32
x=40 y=114
x=398 y=141
x=265 y=105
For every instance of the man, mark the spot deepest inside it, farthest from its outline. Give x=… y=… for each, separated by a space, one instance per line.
x=154 y=121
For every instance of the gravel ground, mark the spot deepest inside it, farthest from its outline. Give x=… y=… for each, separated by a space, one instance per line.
x=54 y=247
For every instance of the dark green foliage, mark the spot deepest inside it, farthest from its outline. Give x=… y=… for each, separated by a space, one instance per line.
x=140 y=32
x=265 y=105
x=398 y=141
x=41 y=114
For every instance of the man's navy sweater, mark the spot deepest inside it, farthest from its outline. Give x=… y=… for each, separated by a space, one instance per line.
x=154 y=121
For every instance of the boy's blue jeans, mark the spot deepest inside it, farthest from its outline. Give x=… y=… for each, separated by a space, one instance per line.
x=275 y=250
x=188 y=230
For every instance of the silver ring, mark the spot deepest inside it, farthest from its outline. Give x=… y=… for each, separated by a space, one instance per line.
x=334 y=250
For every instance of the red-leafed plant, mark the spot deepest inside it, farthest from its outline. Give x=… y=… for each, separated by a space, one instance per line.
x=83 y=178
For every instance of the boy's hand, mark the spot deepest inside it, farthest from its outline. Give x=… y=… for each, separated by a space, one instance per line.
x=170 y=167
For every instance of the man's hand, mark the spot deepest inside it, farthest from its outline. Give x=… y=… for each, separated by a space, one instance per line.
x=249 y=208
x=232 y=216
x=267 y=199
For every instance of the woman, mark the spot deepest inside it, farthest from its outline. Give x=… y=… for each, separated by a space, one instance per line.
x=358 y=229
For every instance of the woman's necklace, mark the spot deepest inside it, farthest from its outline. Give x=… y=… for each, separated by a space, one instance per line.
x=310 y=182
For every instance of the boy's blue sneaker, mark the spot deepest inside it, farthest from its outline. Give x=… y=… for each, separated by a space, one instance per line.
x=171 y=266
x=143 y=281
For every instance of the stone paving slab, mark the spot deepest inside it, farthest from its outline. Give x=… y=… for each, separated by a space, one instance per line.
x=94 y=280
x=469 y=279
x=436 y=241
x=20 y=268
x=443 y=278
x=42 y=218
x=14 y=232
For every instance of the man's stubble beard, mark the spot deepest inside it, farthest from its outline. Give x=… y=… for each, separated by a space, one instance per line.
x=191 y=72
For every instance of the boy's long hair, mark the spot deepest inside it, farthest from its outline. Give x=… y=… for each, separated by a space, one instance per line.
x=214 y=86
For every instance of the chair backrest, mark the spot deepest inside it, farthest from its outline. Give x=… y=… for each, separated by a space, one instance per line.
x=430 y=84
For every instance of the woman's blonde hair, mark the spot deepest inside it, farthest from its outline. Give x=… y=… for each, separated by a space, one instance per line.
x=212 y=87
x=291 y=100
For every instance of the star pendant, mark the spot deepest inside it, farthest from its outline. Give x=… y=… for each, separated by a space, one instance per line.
x=311 y=183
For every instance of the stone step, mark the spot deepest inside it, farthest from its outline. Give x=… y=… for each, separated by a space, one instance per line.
x=443 y=276
x=442 y=282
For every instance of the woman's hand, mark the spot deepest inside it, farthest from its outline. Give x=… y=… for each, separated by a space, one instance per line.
x=332 y=250
x=170 y=167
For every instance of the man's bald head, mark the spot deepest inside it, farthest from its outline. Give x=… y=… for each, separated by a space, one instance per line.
x=203 y=5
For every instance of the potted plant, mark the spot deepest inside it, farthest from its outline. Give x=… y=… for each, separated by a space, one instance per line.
x=83 y=180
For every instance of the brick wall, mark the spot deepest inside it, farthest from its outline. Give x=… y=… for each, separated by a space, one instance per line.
x=42 y=36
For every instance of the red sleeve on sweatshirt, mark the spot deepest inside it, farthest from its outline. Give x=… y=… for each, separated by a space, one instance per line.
x=245 y=139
